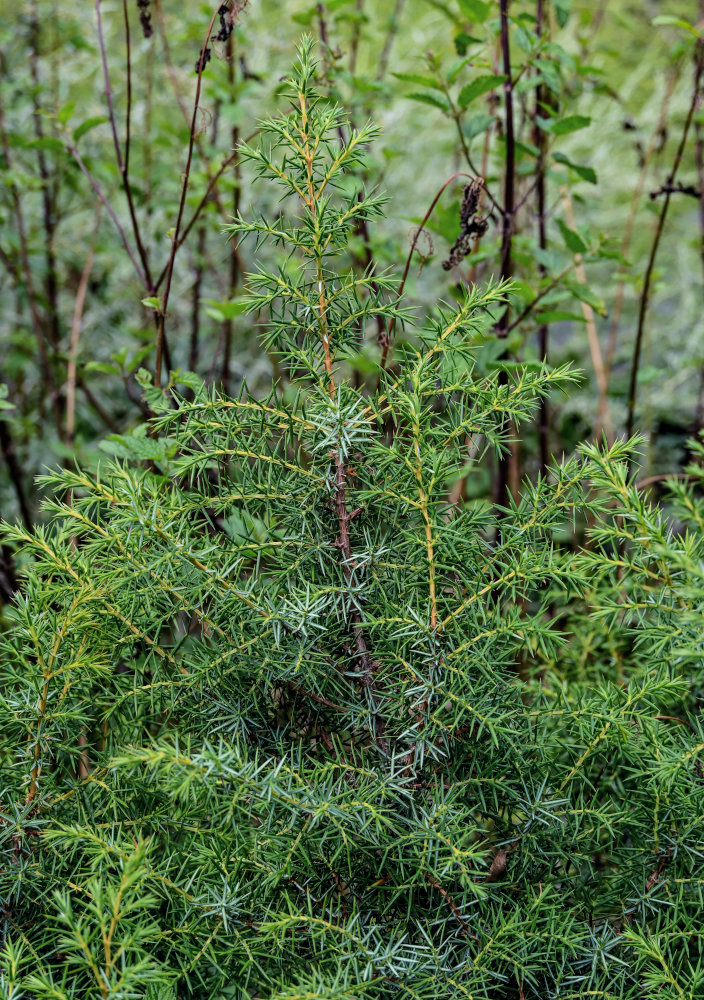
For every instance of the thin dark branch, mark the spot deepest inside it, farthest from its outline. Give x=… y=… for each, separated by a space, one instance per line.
x=111 y=212
x=48 y=383
x=414 y=242
x=507 y=223
x=182 y=204
x=49 y=212
x=540 y=140
x=678 y=188
x=123 y=163
x=553 y=283
x=7 y=447
x=647 y=282
x=197 y=211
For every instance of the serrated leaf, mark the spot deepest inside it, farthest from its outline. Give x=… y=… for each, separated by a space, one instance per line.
x=572 y=123
x=436 y=102
x=419 y=80
x=143 y=449
x=480 y=85
x=87 y=125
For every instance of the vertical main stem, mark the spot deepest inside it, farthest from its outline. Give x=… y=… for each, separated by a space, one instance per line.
x=49 y=208
x=507 y=223
x=235 y=264
x=540 y=141
x=344 y=516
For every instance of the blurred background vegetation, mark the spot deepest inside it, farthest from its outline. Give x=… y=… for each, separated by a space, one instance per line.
x=604 y=103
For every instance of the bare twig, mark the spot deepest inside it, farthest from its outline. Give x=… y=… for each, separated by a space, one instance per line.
x=386 y=342
x=123 y=162
x=71 y=146
x=647 y=281
x=161 y=319
x=633 y=210
x=198 y=210
x=13 y=467
x=48 y=384
x=49 y=212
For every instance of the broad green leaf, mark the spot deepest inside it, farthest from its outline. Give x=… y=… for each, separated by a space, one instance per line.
x=525 y=39
x=102 y=366
x=480 y=85
x=66 y=112
x=558 y=316
x=549 y=73
x=475 y=10
x=476 y=124
x=586 y=173
x=46 y=142
x=586 y=295
x=679 y=22
x=463 y=41
x=455 y=70
x=572 y=123
x=225 y=310
x=562 y=11
x=649 y=374
x=573 y=241
x=144 y=449
x=4 y=402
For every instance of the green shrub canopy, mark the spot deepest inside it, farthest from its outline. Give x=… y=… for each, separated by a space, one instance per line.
x=280 y=720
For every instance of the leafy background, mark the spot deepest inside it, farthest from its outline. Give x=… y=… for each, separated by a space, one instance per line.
x=611 y=64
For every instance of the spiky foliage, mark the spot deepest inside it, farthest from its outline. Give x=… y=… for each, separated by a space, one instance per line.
x=281 y=720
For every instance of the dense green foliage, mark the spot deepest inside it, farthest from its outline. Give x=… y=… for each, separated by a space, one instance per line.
x=284 y=717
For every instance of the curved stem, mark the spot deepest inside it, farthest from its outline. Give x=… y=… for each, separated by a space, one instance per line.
x=161 y=321
x=414 y=243
x=123 y=162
